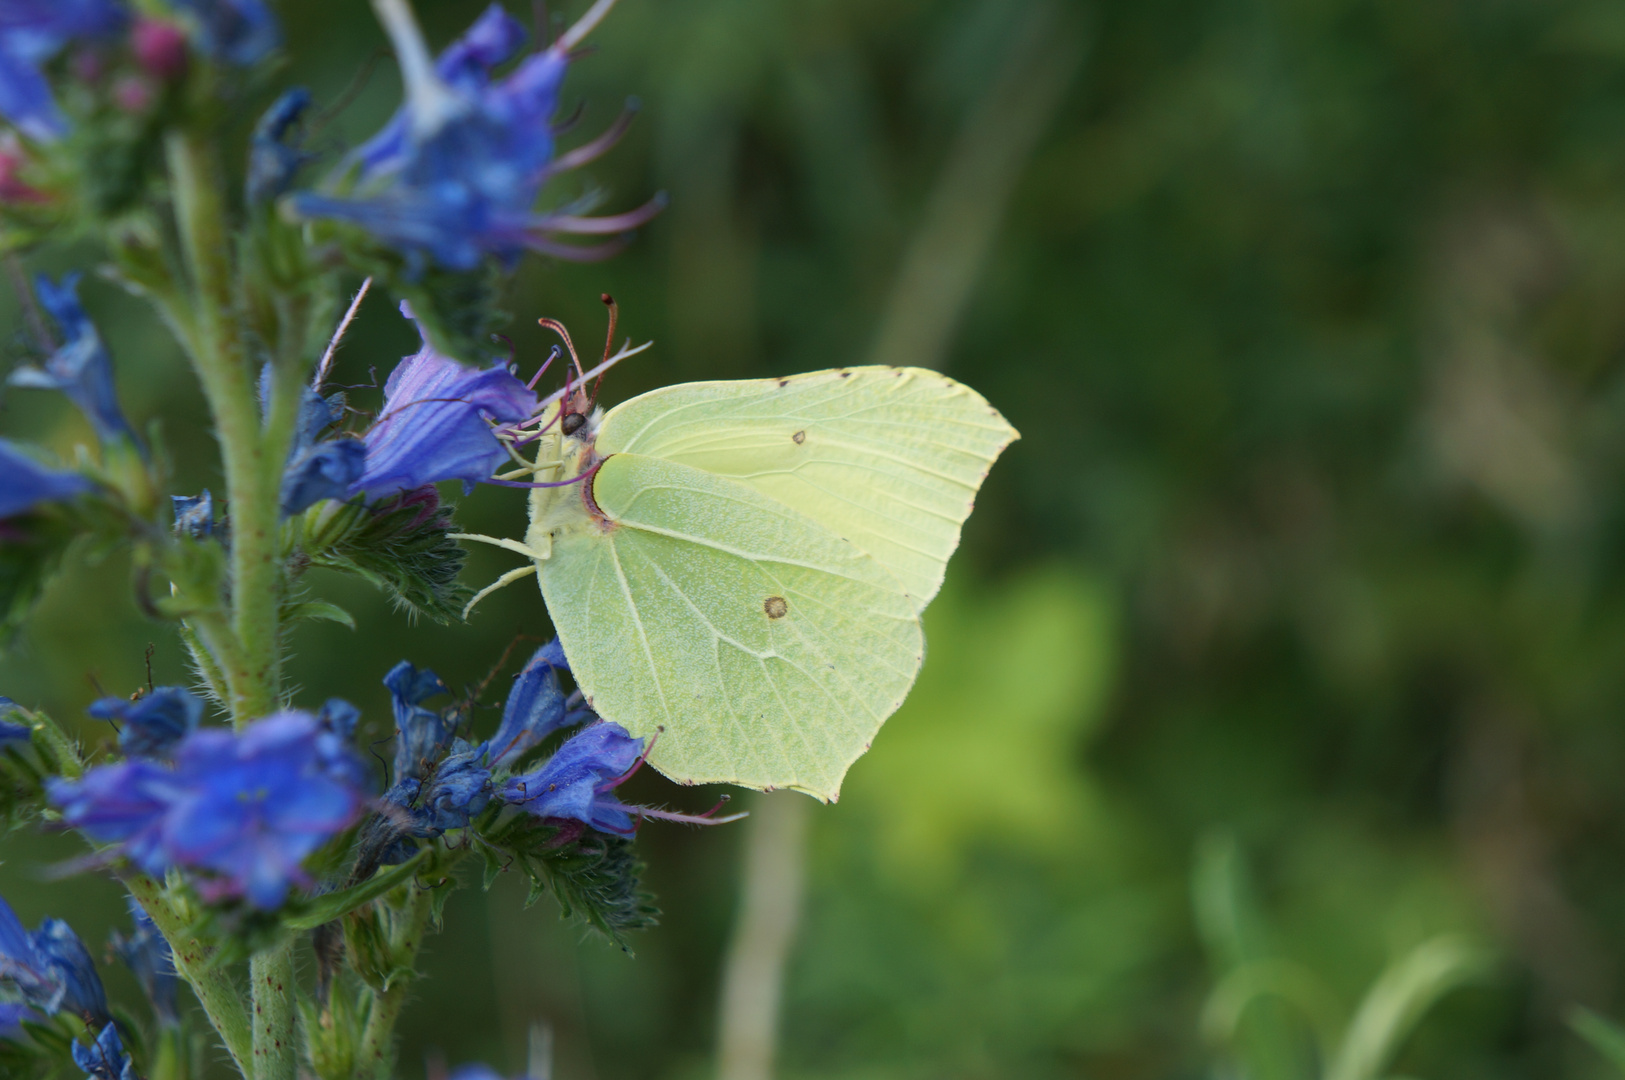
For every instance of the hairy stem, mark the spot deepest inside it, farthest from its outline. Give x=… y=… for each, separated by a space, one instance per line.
x=276 y=1052
x=219 y=994
x=220 y=358
x=376 y=1057
x=246 y=648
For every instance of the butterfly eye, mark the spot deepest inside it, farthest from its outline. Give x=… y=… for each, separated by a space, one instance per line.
x=572 y=423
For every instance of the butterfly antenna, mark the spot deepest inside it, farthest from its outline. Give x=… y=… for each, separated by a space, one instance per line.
x=558 y=328
x=609 y=342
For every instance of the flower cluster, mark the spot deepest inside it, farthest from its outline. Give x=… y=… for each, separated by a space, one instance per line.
x=33 y=31
x=244 y=809
x=454 y=176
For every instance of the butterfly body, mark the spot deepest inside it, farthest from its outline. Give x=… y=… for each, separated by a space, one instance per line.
x=741 y=568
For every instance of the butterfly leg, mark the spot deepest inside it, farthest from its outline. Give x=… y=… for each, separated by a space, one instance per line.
x=501 y=542
x=505 y=580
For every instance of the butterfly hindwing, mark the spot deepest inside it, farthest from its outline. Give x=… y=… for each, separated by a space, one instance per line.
x=768 y=648
x=889 y=458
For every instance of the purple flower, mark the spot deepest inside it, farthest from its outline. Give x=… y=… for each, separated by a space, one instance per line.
x=105 y=1059
x=147 y=955
x=25 y=483
x=154 y=723
x=536 y=707
x=576 y=782
x=81 y=368
x=437 y=424
x=421 y=735
x=455 y=175
x=247 y=808
x=50 y=968
x=31 y=32
x=237 y=31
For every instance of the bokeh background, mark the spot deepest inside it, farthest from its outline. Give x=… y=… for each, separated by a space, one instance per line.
x=1289 y=637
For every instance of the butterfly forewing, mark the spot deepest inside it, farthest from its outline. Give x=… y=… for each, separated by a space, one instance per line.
x=768 y=648
x=889 y=458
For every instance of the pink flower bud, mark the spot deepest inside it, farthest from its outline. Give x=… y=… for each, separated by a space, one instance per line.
x=132 y=94
x=160 y=48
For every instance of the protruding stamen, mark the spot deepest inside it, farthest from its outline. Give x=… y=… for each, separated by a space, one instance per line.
x=597 y=148
x=584 y=26
x=604 y=226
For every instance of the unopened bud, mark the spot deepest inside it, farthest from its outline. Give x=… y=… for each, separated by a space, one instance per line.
x=160 y=48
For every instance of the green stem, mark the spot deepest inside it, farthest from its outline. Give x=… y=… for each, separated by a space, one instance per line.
x=219 y=994
x=376 y=1057
x=276 y=1052
x=221 y=360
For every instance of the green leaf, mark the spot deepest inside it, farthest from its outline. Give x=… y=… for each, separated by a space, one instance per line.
x=324 y=909
x=318 y=610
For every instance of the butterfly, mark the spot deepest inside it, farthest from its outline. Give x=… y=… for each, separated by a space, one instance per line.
x=736 y=570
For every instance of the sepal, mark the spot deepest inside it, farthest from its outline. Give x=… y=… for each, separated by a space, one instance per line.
x=402 y=546
x=595 y=877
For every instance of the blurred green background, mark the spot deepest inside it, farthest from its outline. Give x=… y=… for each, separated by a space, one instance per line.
x=1292 y=633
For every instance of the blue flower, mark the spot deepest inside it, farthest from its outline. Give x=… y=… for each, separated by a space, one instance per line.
x=421 y=735
x=237 y=31
x=12 y=1015
x=123 y=804
x=437 y=424
x=247 y=808
x=272 y=162
x=153 y=723
x=50 y=968
x=458 y=788
x=261 y=802
x=147 y=955
x=25 y=483
x=194 y=514
x=31 y=32
x=81 y=368
x=536 y=707
x=455 y=175
x=68 y=959
x=105 y=1059
x=339 y=717
x=576 y=782
x=320 y=469
x=12 y=731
